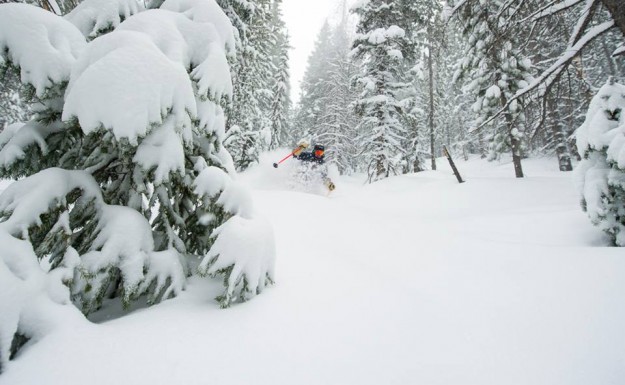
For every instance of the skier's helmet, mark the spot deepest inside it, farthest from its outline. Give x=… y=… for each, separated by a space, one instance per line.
x=318 y=150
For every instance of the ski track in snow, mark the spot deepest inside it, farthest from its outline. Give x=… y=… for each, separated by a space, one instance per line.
x=412 y=280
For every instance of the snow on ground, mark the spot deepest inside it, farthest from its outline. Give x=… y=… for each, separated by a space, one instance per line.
x=413 y=280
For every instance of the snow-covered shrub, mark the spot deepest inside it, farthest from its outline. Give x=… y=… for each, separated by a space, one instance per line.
x=601 y=173
x=128 y=184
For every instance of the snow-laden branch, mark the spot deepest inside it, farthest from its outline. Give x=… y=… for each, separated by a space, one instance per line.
x=551 y=9
x=457 y=7
x=126 y=84
x=582 y=22
x=206 y=12
x=95 y=17
x=243 y=252
x=43 y=45
x=24 y=202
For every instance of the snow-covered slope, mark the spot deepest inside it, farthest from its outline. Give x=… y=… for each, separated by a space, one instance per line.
x=413 y=280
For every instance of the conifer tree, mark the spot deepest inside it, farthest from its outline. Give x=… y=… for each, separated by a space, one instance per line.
x=601 y=172
x=280 y=90
x=573 y=45
x=494 y=71
x=249 y=128
x=381 y=45
x=125 y=186
x=423 y=26
x=339 y=128
x=314 y=87
x=325 y=113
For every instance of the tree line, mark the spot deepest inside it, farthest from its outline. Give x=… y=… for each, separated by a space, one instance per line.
x=490 y=78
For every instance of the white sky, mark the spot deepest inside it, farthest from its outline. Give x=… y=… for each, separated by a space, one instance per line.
x=304 y=19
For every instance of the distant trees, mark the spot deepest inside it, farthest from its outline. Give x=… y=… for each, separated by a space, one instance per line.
x=260 y=103
x=576 y=45
x=462 y=81
x=381 y=45
x=280 y=88
x=494 y=71
x=325 y=112
x=571 y=44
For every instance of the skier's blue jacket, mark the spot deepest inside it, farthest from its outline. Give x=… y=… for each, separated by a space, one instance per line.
x=317 y=155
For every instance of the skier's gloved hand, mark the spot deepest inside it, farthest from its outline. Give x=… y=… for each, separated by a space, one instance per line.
x=303 y=144
x=297 y=151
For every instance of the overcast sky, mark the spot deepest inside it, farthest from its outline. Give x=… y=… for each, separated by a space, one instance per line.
x=304 y=19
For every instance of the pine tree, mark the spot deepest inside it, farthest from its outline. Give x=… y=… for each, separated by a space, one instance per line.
x=451 y=103
x=339 y=128
x=573 y=45
x=424 y=33
x=381 y=45
x=326 y=113
x=601 y=173
x=125 y=184
x=280 y=100
x=314 y=87
x=494 y=71
x=249 y=128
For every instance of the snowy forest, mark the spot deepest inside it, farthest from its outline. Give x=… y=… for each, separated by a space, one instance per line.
x=130 y=129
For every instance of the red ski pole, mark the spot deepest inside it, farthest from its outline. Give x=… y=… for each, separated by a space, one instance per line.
x=285 y=158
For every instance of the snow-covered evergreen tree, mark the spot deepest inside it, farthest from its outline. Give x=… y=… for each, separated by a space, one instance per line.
x=424 y=34
x=381 y=45
x=280 y=90
x=338 y=129
x=601 y=173
x=451 y=103
x=494 y=71
x=128 y=188
x=573 y=45
x=325 y=112
x=249 y=124
x=314 y=86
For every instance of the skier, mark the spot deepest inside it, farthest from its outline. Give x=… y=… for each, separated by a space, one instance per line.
x=316 y=157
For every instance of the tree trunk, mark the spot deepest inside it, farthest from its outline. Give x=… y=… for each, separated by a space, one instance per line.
x=483 y=147
x=431 y=112
x=515 y=145
x=516 y=156
x=452 y=164
x=562 y=148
